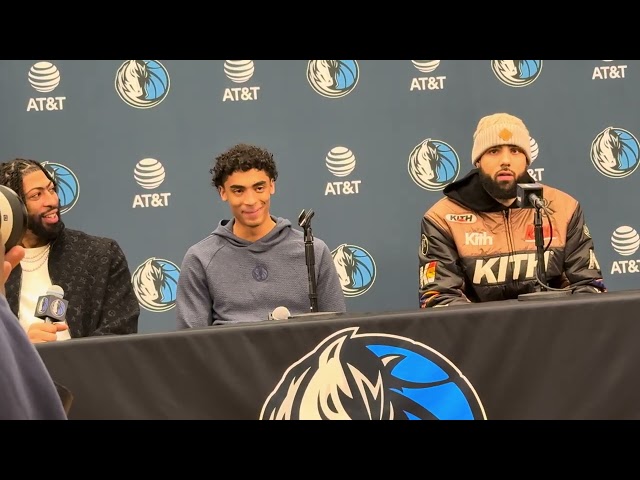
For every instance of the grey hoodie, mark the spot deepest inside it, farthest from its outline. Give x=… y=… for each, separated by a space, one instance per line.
x=225 y=279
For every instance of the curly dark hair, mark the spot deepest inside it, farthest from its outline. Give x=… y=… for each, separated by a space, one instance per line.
x=12 y=173
x=242 y=157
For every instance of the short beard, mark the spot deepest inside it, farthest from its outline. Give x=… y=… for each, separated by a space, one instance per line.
x=501 y=190
x=44 y=232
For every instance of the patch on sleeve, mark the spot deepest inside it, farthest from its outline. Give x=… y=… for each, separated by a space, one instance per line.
x=428 y=274
x=424 y=245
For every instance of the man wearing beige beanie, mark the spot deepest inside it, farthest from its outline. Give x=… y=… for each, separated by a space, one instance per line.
x=478 y=244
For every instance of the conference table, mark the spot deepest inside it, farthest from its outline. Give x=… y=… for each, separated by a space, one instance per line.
x=574 y=357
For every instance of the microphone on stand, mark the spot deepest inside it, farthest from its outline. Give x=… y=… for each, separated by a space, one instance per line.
x=304 y=220
x=530 y=195
x=283 y=313
x=52 y=307
x=280 y=313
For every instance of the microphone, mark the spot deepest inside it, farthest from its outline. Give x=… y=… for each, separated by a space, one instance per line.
x=280 y=313
x=530 y=195
x=52 y=307
x=283 y=313
x=304 y=219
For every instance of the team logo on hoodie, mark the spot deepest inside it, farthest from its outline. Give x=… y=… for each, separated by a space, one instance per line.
x=260 y=273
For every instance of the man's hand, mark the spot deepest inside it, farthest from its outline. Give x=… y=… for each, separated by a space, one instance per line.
x=11 y=259
x=41 y=332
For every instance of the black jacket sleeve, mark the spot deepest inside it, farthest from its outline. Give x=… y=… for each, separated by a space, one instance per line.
x=441 y=281
x=120 y=307
x=580 y=265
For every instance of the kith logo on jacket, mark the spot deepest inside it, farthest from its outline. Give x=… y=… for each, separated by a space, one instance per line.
x=519 y=266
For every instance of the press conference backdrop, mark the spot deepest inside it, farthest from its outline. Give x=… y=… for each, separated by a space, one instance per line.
x=367 y=144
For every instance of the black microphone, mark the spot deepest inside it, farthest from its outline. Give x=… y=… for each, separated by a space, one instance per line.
x=280 y=313
x=530 y=195
x=52 y=307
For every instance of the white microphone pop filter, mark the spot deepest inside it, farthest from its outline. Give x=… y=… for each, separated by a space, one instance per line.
x=55 y=290
x=281 y=313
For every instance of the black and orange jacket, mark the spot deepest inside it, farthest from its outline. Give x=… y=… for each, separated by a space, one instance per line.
x=474 y=249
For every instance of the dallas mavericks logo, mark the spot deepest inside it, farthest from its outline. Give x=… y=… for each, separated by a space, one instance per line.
x=517 y=73
x=433 y=164
x=142 y=83
x=356 y=269
x=615 y=152
x=351 y=376
x=332 y=78
x=67 y=182
x=155 y=283
x=58 y=308
x=42 y=305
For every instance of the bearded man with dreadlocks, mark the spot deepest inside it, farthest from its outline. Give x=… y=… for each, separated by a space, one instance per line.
x=92 y=271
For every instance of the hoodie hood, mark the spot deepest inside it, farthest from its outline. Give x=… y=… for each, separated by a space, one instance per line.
x=469 y=192
x=279 y=233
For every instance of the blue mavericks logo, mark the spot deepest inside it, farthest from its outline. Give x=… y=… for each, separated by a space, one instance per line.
x=155 y=283
x=67 y=184
x=351 y=376
x=333 y=78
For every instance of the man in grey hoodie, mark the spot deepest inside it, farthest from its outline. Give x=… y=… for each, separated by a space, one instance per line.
x=255 y=262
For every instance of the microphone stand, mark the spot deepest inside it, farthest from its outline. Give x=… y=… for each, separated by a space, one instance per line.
x=539 y=237
x=541 y=270
x=304 y=220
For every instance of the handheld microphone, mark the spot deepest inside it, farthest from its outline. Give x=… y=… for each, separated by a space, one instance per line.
x=280 y=313
x=52 y=307
x=13 y=217
x=530 y=195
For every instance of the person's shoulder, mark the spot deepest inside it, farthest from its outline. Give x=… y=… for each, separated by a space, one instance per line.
x=207 y=244
x=74 y=235
x=442 y=207
x=555 y=194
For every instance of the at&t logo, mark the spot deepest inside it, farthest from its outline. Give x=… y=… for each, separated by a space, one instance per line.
x=149 y=174
x=341 y=162
x=44 y=77
x=608 y=72
x=239 y=71
x=625 y=241
x=427 y=82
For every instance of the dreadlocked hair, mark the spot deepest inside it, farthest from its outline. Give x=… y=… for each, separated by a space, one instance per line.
x=12 y=173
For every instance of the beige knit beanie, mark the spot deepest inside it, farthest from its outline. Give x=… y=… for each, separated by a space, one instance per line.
x=500 y=129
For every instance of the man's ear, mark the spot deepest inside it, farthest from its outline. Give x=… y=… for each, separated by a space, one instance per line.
x=223 y=193
x=272 y=189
